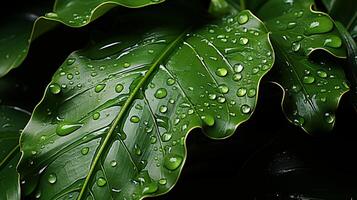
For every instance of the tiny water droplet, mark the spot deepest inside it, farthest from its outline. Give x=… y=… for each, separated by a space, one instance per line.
x=84 y=151
x=212 y=96
x=329 y=118
x=243 y=40
x=51 y=14
x=238 y=68
x=208 y=120
x=237 y=77
x=119 y=87
x=55 y=88
x=113 y=163
x=101 y=182
x=162 y=181
x=170 y=81
x=52 y=178
x=96 y=115
x=172 y=161
x=322 y=74
x=221 y=99
x=70 y=61
x=251 y=93
x=99 y=87
x=161 y=93
x=137 y=150
x=166 y=137
x=223 y=89
x=153 y=139
x=296 y=46
x=222 y=72
x=126 y=64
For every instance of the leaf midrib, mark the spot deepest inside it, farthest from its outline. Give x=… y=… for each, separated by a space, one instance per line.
x=127 y=104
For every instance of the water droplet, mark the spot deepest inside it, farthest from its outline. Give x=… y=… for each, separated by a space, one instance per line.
x=163 y=109
x=67 y=128
x=333 y=41
x=242 y=19
x=70 y=61
x=212 y=96
x=153 y=139
x=243 y=40
x=245 y=109
x=208 y=120
x=134 y=119
x=166 y=137
x=251 y=93
x=122 y=136
x=150 y=51
x=329 y=118
x=222 y=72
x=101 y=182
x=223 y=89
x=172 y=161
x=119 y=87
x=323 y=99
x=99 y=87
x=291 y=25
x=161 y=93
x=84 y=151
x=113 y=163
x=221 y=99
x=150 y=188
x=237 y=77
x=238 y=68
x=126 y=64
x=299 y=121
x=322 y=74
x=55 y=88
x=52 y=178
x=96 y=115
x=162 y=181
x=296 y=46
x=241 y=92
x=170 y=81
x=51 y=14
x=137 y=150
x=308 y=79
x=69 y=76
x=320 y=24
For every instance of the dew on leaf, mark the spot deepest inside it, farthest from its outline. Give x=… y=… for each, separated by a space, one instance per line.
x=66 y=128
x=52 y=178
x=134 y=119
x=222 y=72
x=172 y=161
x=84 y=151
x=308 y=79
x=161 y=93
x=242 y=19
x=101 y=182
x=98 y=88
x=119 y=87
x=245 y=109
x=55 y=88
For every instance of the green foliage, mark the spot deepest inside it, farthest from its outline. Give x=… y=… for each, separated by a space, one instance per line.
x=115 y=116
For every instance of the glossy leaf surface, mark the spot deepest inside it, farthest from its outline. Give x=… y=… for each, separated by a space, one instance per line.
x=114 y=120
x=312 y=88
x=12 y=120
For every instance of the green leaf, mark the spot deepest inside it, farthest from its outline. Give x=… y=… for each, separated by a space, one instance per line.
x=12 y=120
x=20 y=28
x=343 y=11
x=114 y=120
x=313 y=87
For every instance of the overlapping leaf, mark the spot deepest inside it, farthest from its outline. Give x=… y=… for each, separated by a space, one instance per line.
x=12 y=120
x=20 y=28
x=312 y=88
x=114 y=120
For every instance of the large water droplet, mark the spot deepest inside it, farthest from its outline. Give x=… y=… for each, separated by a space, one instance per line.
x=245 y=109
x=222 y=72
x=321 y=24
x=166 y=137
x=150 y=188
x=52 y=178
x=135 y=119
x=322 y=74
x=172 y=161
x=308 y=79
x=242 y=19
x=101 y=182
x=241 y=92
x=99 y=87
x=161 y=93
x=208 y=120
x=65 y=128
x=55 y=88
x=333 y=41
x=137 y=150
x=223 y=89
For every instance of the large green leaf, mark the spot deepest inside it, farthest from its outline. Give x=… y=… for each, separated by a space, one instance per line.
x=114 y=120
x=312 y=88
x=12 y=120
x=20 y=28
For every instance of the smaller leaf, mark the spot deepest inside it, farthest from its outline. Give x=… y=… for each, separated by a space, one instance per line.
x=12 y=120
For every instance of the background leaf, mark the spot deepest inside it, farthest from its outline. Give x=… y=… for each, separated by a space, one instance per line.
x=12 y=120
x=114 y=120
x=313 y=87
x=25 y=23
